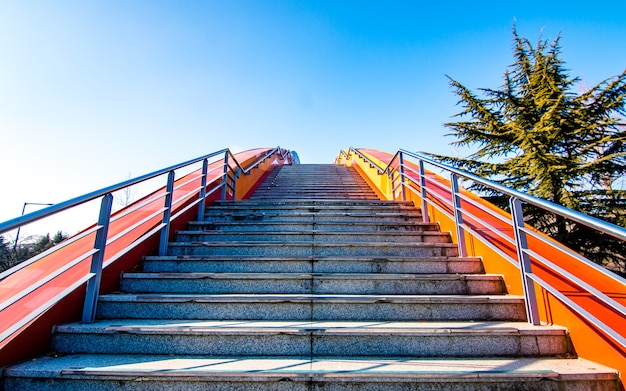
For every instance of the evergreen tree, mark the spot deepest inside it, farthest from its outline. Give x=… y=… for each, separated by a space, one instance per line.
x=5 y=253
x=537 y=135
x=27 y=248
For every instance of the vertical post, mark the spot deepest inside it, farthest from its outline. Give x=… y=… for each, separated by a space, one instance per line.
x=165 y=231
x=521 y=244
x=93 y=284
x=401 y=159
x=392 y=182
x=236 y=175
x=202 y=204
x=425 y=216
x=225 y=177
x=458 y=215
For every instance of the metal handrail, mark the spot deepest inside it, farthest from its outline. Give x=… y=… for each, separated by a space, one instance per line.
x=396 y=170
x=228 y=181
x=590 y=221
x=54 y=209
x=367 y=159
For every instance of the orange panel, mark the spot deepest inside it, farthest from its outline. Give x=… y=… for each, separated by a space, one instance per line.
x=589 y=342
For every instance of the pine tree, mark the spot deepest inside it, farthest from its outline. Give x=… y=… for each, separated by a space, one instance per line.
x=537 y=135
x=5 y=254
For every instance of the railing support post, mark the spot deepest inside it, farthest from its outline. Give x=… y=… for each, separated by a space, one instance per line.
x=236 y=176
x=93 y=284
x=521 y=244
x=202 y=204
x=425 y=217
x=392 y=184
x=458 y=215
x=401 y=160
x=165 y=231
x=225 y=177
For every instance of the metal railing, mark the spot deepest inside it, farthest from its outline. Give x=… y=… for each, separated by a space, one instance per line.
x=225 y=172
x=461 y=206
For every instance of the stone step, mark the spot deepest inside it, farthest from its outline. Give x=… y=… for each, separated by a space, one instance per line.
x=322 y=283
x=320 y=189
x=364 y=264
x=295 y=226
x=311 y=307
x=325 y=338
x=314 y=190
x=287 y=206
x=316 y=236
x=315 y=203
x=387 y=218
x=318 y=183
x=308 y=249
x=100 y=372
x=296 y=196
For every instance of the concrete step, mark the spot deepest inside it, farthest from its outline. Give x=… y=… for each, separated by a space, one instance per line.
x=386 y=218
x=295 y=226
x=309 y=249
x=314 y=190
x=315 y=203
x=297 y=196
x=100 y=372
x=311 y=307
x=364 y=264
x=325 y=338
x=312 y=208
x=323 y=283
x=316 y=236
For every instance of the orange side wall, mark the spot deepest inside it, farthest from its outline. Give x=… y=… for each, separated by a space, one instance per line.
x=588 y=342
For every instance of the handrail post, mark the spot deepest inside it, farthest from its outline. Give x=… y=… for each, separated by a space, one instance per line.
x=165 y=231
x=235 y=176
x=425 y=217
x=202 y=204
x=392 y=182
x=225 y=177
x=93 y=284
x=458 y=215
x=521 y=245
x=401 y=160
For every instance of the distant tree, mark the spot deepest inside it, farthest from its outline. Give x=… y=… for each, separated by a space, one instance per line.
x=26 y=249
x=41 y=244
x=125 y=196
x=537 y=135
x=5 y=253
x=59 y=237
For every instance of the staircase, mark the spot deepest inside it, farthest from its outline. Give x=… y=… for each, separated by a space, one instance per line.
x=311 y=284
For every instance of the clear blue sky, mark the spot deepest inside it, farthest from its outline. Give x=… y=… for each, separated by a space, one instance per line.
x=93 y=90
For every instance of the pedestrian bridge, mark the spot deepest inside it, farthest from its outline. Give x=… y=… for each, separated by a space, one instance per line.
x=253 y=271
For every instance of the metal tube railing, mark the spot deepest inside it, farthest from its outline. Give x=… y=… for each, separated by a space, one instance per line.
x=519 y=241
x=97 y=253
x=54 y=209
x=589 y=221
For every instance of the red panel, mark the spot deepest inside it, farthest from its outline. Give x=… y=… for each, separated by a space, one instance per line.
x=30 y=341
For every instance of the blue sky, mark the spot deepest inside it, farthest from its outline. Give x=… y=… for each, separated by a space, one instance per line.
x=91 y=91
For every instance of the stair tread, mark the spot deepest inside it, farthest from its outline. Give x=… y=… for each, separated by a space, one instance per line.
x=423 y=328
x=309 y=297
x=303 y=368
x=345 y=276
x=310 y=243
x=313 y=232
x=311 y=258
